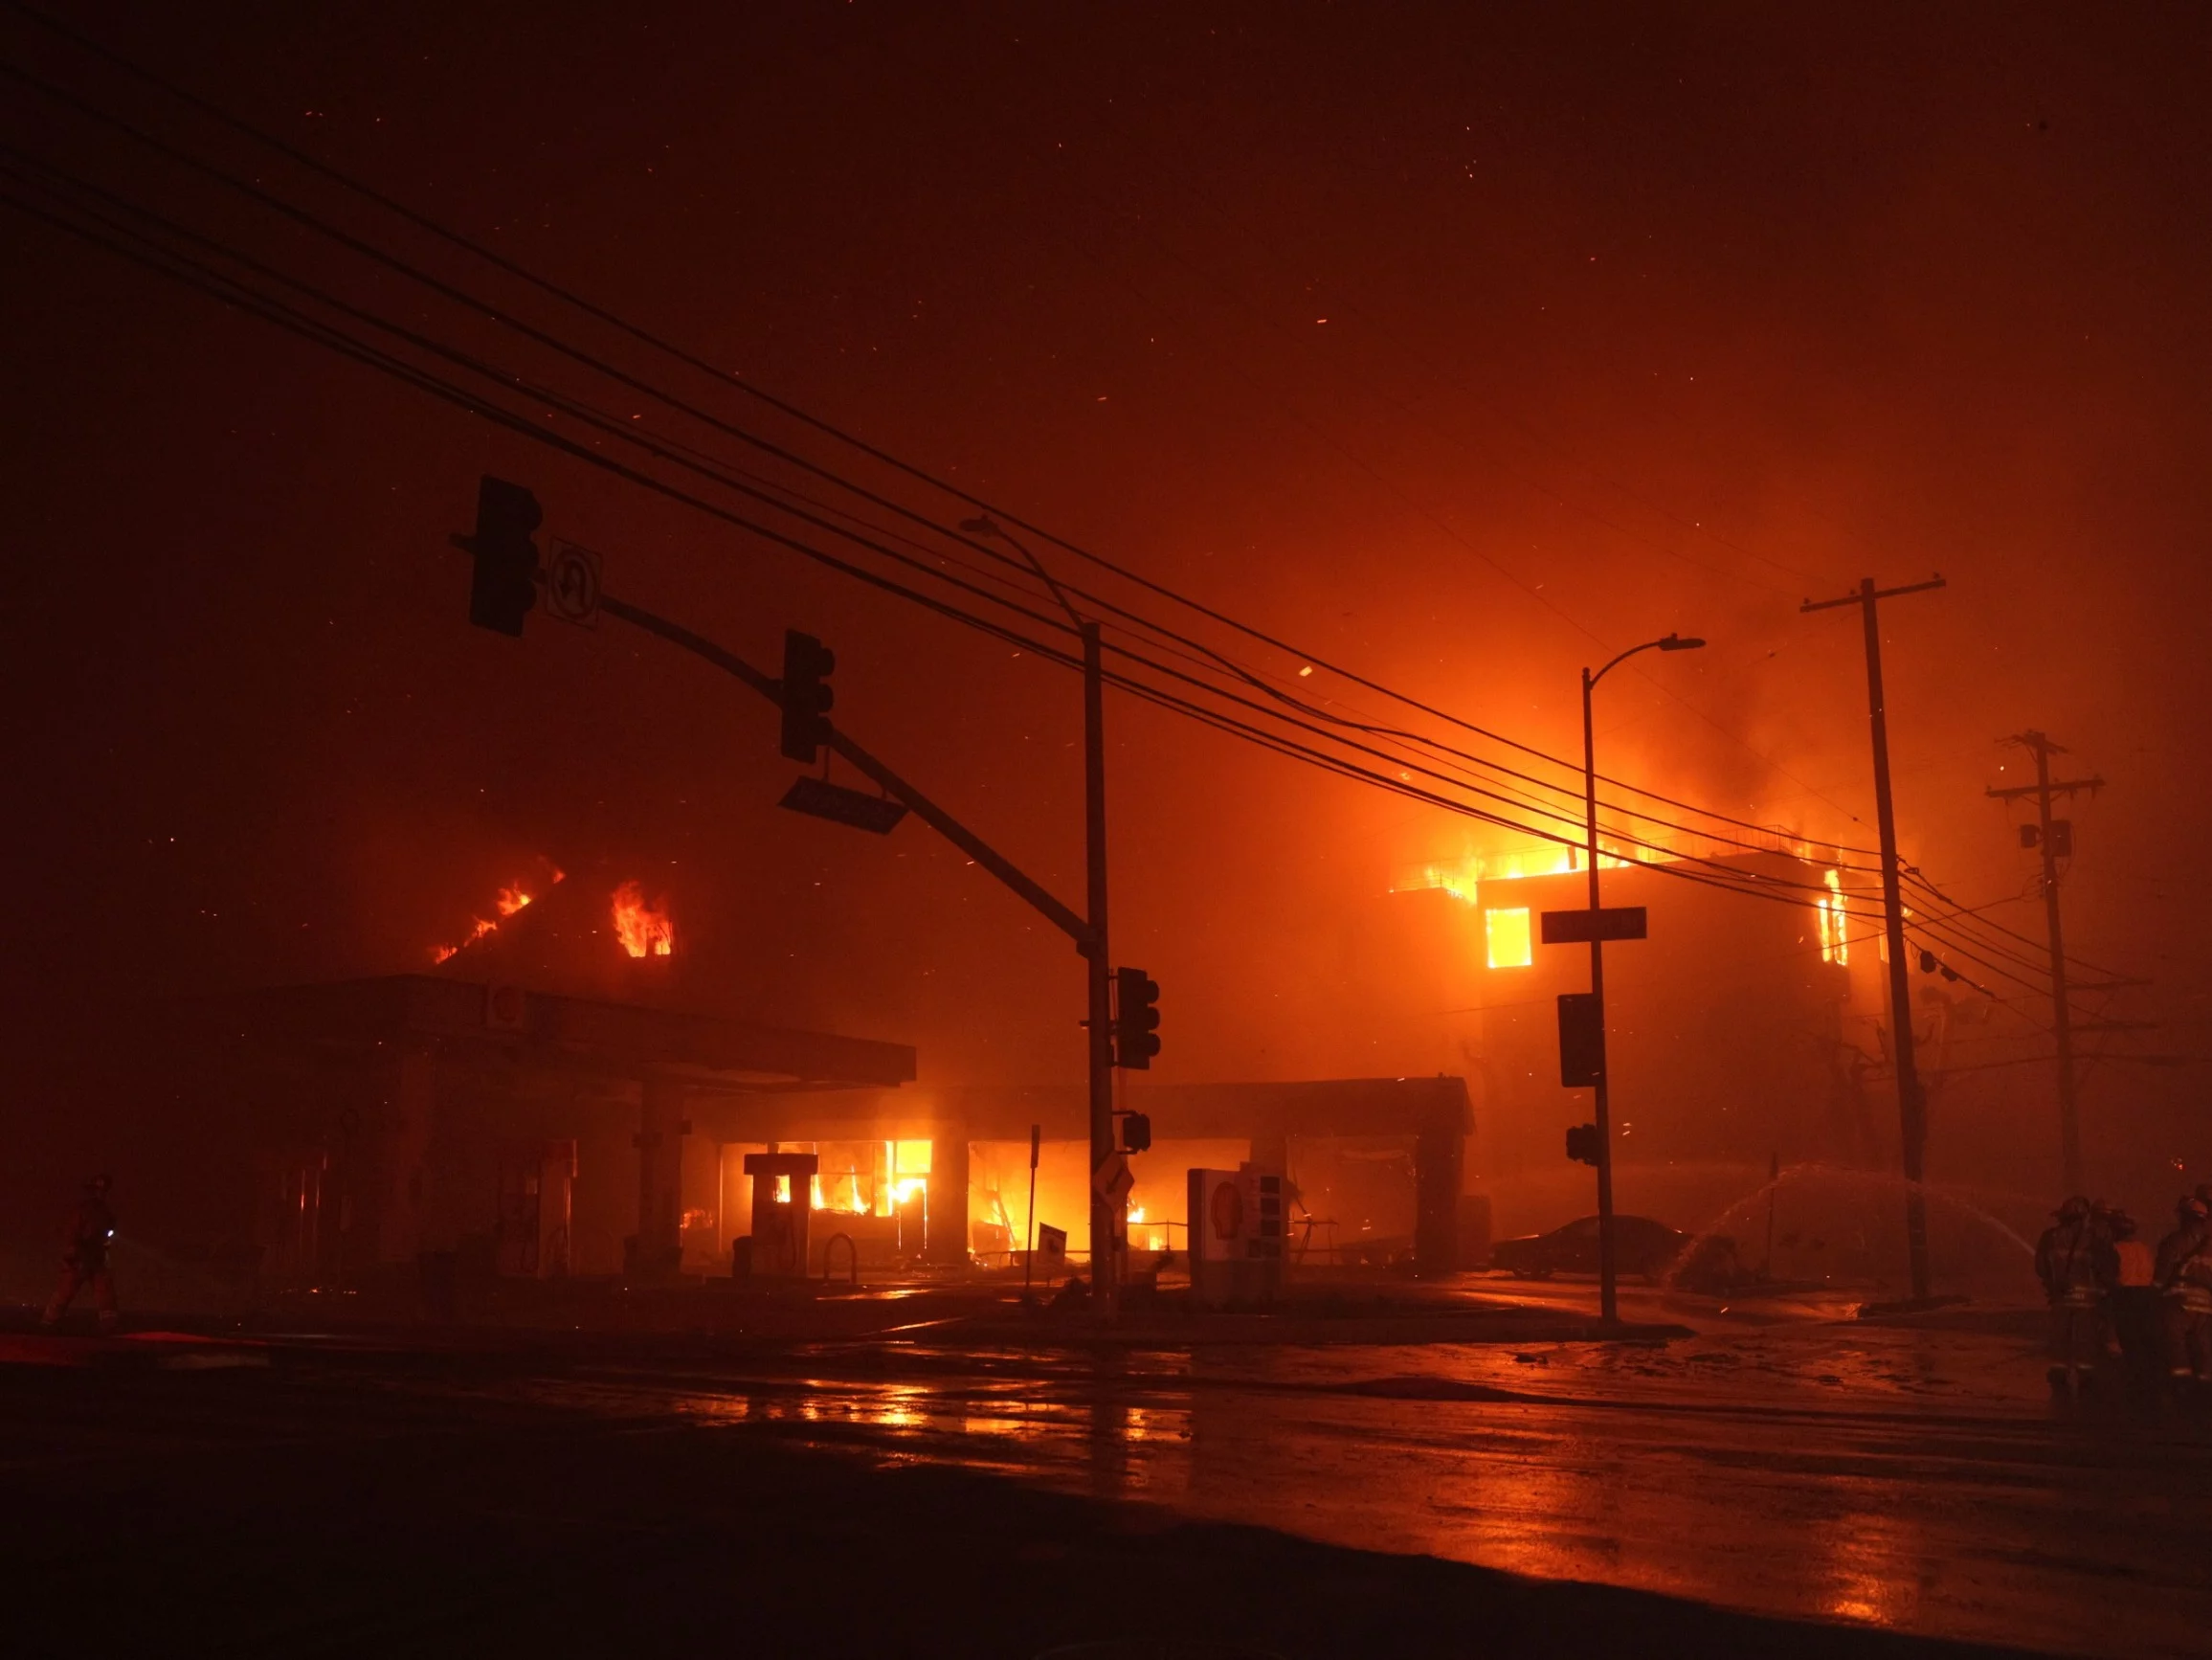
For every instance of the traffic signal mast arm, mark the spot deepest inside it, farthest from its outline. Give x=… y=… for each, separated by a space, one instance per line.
x=840 y=743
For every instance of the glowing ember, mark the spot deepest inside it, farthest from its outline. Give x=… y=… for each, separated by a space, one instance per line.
x=644 y=930
x=512 y=898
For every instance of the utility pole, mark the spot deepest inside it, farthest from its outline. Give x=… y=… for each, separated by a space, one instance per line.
x=1911 y=1102
x=2056 y=838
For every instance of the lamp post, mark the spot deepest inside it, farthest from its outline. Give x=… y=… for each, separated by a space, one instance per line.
x=1106 y=1215
x=1608 y=1291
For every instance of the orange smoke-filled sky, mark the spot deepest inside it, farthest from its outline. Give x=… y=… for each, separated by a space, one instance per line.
x=1463 y=349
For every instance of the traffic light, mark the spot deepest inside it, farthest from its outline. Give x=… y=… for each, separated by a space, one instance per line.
x=806 y=694
x=1136 y=1017
x=1582 y=1143
x=1137 y=1131
x=505 y=583
x=1581 y=1039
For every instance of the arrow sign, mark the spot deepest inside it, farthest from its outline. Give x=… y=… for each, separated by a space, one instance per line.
x=1111 y=1180
x=572 y=584
x=1581 y=926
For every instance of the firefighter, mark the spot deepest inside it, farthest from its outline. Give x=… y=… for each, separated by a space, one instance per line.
x=2076 y=1266
x=2134 y=1300
x=87 y=1235
x=2184 y=1277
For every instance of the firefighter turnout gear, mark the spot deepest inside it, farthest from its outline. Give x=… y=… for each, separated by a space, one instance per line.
x=2077 y=1266
x=86 y=1235
x=2184 y=1279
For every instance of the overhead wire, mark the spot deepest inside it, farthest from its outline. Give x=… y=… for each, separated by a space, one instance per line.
x=722 y=375
x=1723 y=876
x=628 y=434
x=196 y=275
x=499 y=316
x=602 y=422
x=1919 y=878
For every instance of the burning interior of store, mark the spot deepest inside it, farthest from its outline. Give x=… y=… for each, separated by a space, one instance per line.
x=943 y=1175
x=547 y=1099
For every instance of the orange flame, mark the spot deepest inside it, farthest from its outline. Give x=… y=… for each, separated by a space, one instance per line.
x=644 y=930
x=850 y=1202
x=511 y=899
x=1835 y=942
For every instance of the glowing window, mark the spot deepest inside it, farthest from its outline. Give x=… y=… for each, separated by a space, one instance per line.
x=1505 y=932
x=1835 y=943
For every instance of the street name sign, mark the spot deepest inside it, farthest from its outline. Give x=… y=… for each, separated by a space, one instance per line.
x=1583 y=927
x=878 y=815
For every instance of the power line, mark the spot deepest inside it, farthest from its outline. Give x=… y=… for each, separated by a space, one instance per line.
x=1919 y=878
x=660 y=344
x=692 y=458
x=629 y=434
x=213 y=283
x=1726 y=876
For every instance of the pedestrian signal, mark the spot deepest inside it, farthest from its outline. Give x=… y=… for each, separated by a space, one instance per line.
x=1582 y=1143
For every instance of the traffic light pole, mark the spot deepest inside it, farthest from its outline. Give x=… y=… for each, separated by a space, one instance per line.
x=1106 y=1214
x=1911 y=1103
x=505 y=554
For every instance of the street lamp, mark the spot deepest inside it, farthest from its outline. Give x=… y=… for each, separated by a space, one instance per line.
x=1608 y=1296
x=1106 y=1229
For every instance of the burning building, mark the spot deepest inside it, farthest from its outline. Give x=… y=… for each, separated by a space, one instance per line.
x=943 y=1173
x=565 y=1092
x=1740 y=1031
x=524 y=1106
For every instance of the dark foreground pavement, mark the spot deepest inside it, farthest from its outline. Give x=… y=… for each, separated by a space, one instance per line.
x=342 y=1508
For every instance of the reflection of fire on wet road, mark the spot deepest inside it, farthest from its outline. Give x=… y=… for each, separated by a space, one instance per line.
x=1710 y=1468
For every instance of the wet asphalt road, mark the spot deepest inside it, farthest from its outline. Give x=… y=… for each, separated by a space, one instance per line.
x=1785 y=1460
x=1912 y=1477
